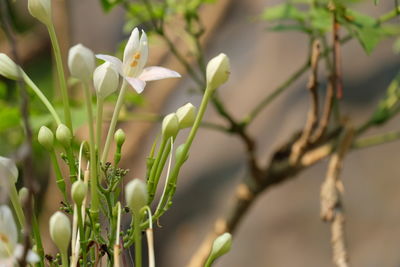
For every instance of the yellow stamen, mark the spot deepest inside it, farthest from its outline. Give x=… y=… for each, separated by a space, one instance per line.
x=134 y=63
x=4 y=238
x=136 y=55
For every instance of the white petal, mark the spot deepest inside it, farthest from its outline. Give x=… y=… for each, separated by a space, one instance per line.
x=137 y=84
x=8 y=227
x=144 y=52
x=132 y=46
x=157 y=73
x=8 y=169
x=31 y=257
x=115 y=62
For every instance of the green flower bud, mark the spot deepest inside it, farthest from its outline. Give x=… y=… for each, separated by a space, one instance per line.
x=81 y=62
x=186 y=115
x=78 y=192
x=40 y=9
x=119 y=137
x=23 y=195
x=170 y=126
x=179 y=153
x=221 y=245
x=105 y=80
x=64 y=135
x=218 y=70
x=46 y=138
x=60 y=231
x=8 y=169
x=136 y=195
x=8 y=68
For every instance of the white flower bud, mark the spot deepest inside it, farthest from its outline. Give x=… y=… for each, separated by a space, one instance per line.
x=170 y=126
x=23 y=195
x=186 y=115
x=60 y=231
x=119 y=137
x=81 y=62
x=8 y=169
x=8 y=68
x=63 y=135
x=218 y=70
x=40 y=9
x=221 y=245
x=179 y=153
x=78 y=192
x=46 y=138
x=105 y=80
x=136 y=195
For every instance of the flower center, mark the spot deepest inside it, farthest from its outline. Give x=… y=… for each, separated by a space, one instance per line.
x=4 y=238
x=135 y=59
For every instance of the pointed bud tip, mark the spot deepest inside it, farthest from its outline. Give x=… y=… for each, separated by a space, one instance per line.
x=218 y=71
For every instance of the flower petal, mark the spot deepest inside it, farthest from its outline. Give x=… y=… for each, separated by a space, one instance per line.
x=136 y=84
x=8 y=228
x=31 y=257
x=144 y=52
x=132 y=46
x=157 y=73
x=115 y=62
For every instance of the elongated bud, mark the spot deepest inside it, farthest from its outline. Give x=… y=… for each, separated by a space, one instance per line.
x=81 y=62
x=218 y=70
x=105 y=80
x=186 y=115
x=8 y=169
x=63 y=135
x=60 y=231
x=41 y=10
x=119 y=137
x=46 y=138
x=222 y=244
x=23 y=195
x=78 y=192
x=8 y=68
x=179 y=154
x=136 y=195
x=170 y=126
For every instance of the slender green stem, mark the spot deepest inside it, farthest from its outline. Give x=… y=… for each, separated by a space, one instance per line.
x=99 y=123
x=61 y=75
x=208 y=262
x=114 y=121
x=94 y=208
x=390 y=15
x=152 y=186
x=17 y=205
x=64 y=258
x=38 y=239
x=82 y=235
x=42 y=97
x=138 y=241
x=376 y=140
x=59 y=177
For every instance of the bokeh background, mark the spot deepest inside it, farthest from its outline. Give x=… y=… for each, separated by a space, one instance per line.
x=283 y=228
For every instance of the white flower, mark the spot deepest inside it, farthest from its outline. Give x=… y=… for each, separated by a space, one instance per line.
x=10 y=250
x=81 y=62
x=8 y=170
x=8 y=68
x=132 y=66
x=105 y=80
x=40 y=9
x=218 y=70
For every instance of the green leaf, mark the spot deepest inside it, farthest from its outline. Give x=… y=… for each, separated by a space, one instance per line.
x=283 y=27
x=107 y=5
x=321 y=19
x=9 y=118
x=369 y=38
x=283 y=11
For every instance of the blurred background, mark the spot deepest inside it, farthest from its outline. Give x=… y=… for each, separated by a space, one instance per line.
x=283 y=228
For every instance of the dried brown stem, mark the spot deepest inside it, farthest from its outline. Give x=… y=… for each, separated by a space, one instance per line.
x=312 y=118
x=331 y=205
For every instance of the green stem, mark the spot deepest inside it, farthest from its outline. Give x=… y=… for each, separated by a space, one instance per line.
x=138 y=241
x=42 y=97
x=94 y=208
x=64 y=258
x=61 y=75
x=114 y=121
x=82 y=235
x=99 y=123
x=38 y=239
x=376 y=140
x=152 y=185
x=209 y=262
x=59 y=178
x=17 y=205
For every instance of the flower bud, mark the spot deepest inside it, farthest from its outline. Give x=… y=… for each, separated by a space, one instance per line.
x=105 y=80
x=170 y=126
x=136 y=195
x=218 y=70
x=179 y=154
x=8 y=68
x=221 y=245
x=186 y=115
x=60 y=231
x=78 y=192
x=119 y=137
x=81 y=62
x=8 y=169
x=23 y=195
x=40 y=9
x=63 y=135
x=46 y=138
